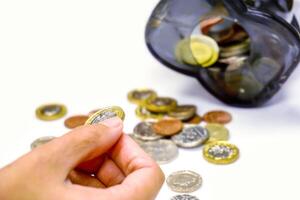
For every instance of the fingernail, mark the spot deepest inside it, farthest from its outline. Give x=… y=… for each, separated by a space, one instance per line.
x=112 y=122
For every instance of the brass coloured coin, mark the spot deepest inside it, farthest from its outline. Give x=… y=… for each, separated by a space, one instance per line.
x=140 y=96
x=144 y=114
x=217 y=132
x=167 y=127
x=220 y=152
x=161 y=104
x=51 y=112
x=183 y=112
x=106 y=113
x=76 y=121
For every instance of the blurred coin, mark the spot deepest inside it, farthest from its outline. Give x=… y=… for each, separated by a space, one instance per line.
x=184 y=197
x=145 y=114
x=167 y=127
x=145 y=131
x=205 y=24
x=235 y=50
x=184 y=181
x=218 y=116
x=40 y=141
x=184 y=112
x=183 y=53
x=75 y=121
x=93 y=112
x=195 y=120
x=162 y=151
x=50 y=112
x=234 y=63
x=161 y=104
x=221 y=31
x=106 y=113
x=220 y=152
x=139 y=96
x=217 y=132
x=191 y=137
x=201 y=52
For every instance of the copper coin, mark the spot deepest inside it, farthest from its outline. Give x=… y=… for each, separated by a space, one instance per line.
x=219 y=117
x=167 y=127
x=195 y=120
x=75 y=121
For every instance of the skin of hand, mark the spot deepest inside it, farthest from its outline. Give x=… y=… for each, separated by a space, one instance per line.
x=62 y=168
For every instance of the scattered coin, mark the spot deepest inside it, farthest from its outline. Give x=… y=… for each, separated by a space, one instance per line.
x=184 y=197
x=106 y=113
x=144 y=114
x=144 y=131
x=93 y=112
x=195 y=120
x=167 y=127
x=221 y=152
x=217 y=132
x=75 y=121
x=184 y=112
x=140 y=96
x=40 y=141
x=161 y=104
x=51 y=112
x=162 y=151
x=201 y=52
x=184 y=181
x=190 y=137
x=219 y=117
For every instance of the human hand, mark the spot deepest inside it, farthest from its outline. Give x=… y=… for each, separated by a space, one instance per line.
x=122 y=170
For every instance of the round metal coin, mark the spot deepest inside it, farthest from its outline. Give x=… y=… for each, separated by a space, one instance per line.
x=221 y=152
x=195 y=120
x=184 y=181
x=144 y=131
x=161 y=104
x=184 y=197
x=167 y=127
x=51 y=112
x=145 y=114
x=106 y=113
x=75 y=121
x=218 y=117
x=162 y=151
x=191 y=137
x=217 y=132
x=40 y=141
x=184 y=112
x=139 y=96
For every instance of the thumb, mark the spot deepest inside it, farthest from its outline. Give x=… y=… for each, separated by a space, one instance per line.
x=81 y=144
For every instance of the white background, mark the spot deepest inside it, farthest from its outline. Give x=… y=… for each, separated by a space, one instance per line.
x=89 y=54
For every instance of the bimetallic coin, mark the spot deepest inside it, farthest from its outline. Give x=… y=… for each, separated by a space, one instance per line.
x=167 y=127
x=195 y=120
x=201 y=52
x=221 y=152
x=184 y=181
x=184 y=112
x=217 y=132
x=145 y=114
x=190 y=137
x=144 y=131
x=218 y=117
x=76 y=121
x=51 y=112
x=161 y=104
x=93 y=112
x=184 y=197
x=40 y=141
x=140 y=96
x=106 y=113
x=162 y=151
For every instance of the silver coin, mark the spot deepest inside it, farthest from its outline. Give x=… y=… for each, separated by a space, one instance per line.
x=220 y=151
x=190 y=137
x=184 y=197
x=162 y=151
x=40 y=141
x=51 y=110
x=184 y=181
x=144 y=131
x=104 y=116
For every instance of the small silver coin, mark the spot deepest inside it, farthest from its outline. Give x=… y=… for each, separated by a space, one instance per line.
x=162 y=151
x=184 y=197
x=104 y=116
x=40 y=141
x=184 y=181
x=190 y=137
x=144 y=131
x=51 y=110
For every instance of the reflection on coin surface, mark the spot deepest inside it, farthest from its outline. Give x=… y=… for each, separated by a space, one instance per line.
x=75 y=121
x=184 y=197
x=144 y=114
x=139 y=96
x=217 y=132
x=51 y=112
x=221 y=152
x=191 y=137
x=161 y=104
x=168 y=127
x=184 y=112
x=162 y=151
x=40 y=141
x=106 y=113
x=219 y=117
x=184 y=181
x=144 y=131
x=195 y=120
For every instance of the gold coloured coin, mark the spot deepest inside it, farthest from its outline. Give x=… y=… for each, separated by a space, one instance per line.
x=220 y=152
x=217 y=132
x=140 y=96
x=183 y=112
x=161 y=104
x=106 y=113
x=51 y=112
x=144 y=114
x=201 y=52
x=183 y=53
